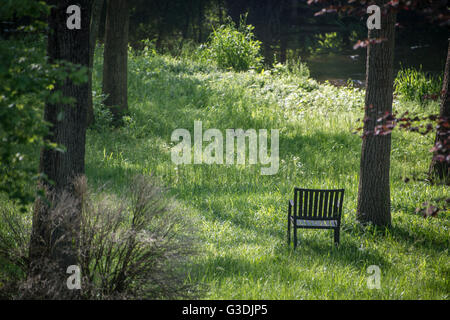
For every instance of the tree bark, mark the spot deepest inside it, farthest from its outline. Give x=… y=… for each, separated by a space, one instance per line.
x=220 y=11
x=68 y=128
x=115 y=62
x=200 y=20
x=439 y=169
x=94 y=25
x=374 y=204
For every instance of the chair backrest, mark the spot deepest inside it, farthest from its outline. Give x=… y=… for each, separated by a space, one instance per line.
x=317 y=204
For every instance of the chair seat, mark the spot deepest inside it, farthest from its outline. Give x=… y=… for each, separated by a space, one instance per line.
x=316 y=223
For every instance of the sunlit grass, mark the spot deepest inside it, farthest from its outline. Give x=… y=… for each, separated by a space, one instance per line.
x=242 y=214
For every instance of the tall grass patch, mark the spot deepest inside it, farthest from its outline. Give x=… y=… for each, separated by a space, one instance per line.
x=415 y=85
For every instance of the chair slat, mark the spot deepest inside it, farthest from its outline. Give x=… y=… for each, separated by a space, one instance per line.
x=310 y=203
x=335 y=204
x=305 y=204
x=325 y=204
x=330 y=204
x=320 y=210
x=315 y=211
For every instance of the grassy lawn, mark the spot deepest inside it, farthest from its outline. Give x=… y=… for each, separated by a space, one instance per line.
x=241 y=214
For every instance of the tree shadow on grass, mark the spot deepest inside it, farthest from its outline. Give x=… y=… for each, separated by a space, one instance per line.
x=347 y=253
x=324 y=152
x=112 y=179
x=428 y=239
x=282 y=262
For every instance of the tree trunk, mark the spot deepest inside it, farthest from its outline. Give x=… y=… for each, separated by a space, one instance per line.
x=115 y=62
x=439 y=168
x=220 y=11
x=68 y=128
x=95 y=22
x=185 y=29
x=200 y=21
x=374 y=204
x=266 y=25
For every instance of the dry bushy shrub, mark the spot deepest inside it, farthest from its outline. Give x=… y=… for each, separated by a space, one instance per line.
x=132 y=248
x=139 y=251
x=43 y=276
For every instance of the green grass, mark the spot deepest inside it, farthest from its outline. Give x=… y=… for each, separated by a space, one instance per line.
x=415 y=85
x=242 y=215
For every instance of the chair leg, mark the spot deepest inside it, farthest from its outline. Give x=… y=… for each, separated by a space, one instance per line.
x=295 y=237
x=289 y=230
x=336 y=236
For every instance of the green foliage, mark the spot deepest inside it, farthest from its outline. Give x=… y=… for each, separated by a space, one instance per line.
x=234 y=48
x=327 y=43
x=27 y=82
x=15 y=233
x=242 y=215
x=291 y=67
x=415 y=85
x=25 y=8
x=148 y=48
x=102 y=114
x=23 y=80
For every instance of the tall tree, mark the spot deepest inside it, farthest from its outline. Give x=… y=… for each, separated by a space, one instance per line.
x=374 y=204
x=440 y=164
x=115 y=60
x=374 y=186
x=68 y=128
x=97 y=6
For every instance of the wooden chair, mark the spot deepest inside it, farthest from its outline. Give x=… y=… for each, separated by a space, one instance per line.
x=315 y=209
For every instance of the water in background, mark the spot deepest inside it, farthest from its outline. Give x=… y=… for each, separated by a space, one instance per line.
x=350 y=65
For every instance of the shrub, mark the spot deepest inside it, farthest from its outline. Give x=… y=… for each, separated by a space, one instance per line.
x=137 y=250
x=327 y=43
x=232 y=47
x=102 y=114
x=414 y=85
x=292 y=67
